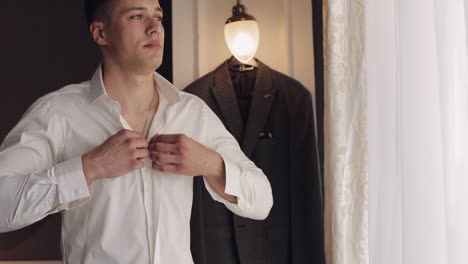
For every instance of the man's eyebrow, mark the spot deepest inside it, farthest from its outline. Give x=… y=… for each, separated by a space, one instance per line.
x=140 y=8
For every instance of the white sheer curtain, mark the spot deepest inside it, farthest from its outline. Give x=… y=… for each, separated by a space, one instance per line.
x=418 y=131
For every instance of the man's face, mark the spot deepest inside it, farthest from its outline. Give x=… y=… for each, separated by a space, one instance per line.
x=135 y=35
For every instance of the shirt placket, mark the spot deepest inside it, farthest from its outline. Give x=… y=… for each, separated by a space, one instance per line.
x=155 y=182
x=151 y=182
x=146 y=183
x=158 y=179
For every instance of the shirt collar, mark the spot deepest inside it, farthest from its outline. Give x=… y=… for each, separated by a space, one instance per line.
x=97 y=88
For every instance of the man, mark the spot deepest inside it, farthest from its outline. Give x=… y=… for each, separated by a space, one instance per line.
x=117 y=154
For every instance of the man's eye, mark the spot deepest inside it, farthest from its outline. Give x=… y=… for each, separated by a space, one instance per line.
x=136 y=17
x=159 y=18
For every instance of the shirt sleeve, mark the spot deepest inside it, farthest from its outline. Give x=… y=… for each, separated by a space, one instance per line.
x=243 y=179
x=34 y=182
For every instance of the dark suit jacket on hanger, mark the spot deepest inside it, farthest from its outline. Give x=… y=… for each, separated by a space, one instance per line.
x=279 y=137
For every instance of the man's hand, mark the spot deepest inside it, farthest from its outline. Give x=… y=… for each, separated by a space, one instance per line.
x=182 y=155
x=119 y=154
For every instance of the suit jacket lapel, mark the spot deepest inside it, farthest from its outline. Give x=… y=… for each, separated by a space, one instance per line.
x=224 y=93
x=259 y=109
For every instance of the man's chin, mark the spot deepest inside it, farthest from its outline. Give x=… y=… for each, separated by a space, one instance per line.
x=154 y=63
x=157 y=65
x=150 y=66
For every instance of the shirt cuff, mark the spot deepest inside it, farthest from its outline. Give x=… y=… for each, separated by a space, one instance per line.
x=233 y=185
x=71 y=181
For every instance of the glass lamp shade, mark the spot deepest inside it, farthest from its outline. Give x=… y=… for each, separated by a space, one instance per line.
x=242 y=38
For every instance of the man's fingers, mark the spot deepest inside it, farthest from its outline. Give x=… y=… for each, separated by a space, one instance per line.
x=153 y=139
x=170 y=139
x=165 y=168
x=139 y=164
x=141 y=153
x=126 y=133
x=138 y=143
x=131 y=138
x=163 y=147
x=164 y=158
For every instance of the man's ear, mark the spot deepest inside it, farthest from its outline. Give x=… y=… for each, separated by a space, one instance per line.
x=98 y=33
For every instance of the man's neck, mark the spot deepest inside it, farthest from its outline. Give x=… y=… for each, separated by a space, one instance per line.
x=133 y=91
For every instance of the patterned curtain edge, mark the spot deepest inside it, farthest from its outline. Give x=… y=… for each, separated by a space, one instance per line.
x=345 y=135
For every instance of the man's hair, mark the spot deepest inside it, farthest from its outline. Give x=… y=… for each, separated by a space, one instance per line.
x=98 y=10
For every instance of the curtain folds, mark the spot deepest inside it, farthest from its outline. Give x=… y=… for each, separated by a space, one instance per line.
x=345 y=132
x=418 y=130
x=396 y=118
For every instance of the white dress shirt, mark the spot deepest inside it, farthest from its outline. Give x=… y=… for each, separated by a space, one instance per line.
x=141 y=217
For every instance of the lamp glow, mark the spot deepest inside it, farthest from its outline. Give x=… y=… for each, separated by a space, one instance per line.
x=242 y=38
x=242 y=34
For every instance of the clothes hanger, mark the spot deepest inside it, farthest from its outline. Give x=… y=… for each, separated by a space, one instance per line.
x=236 y=65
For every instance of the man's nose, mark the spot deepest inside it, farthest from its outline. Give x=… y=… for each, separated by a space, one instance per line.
x=154 y=27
